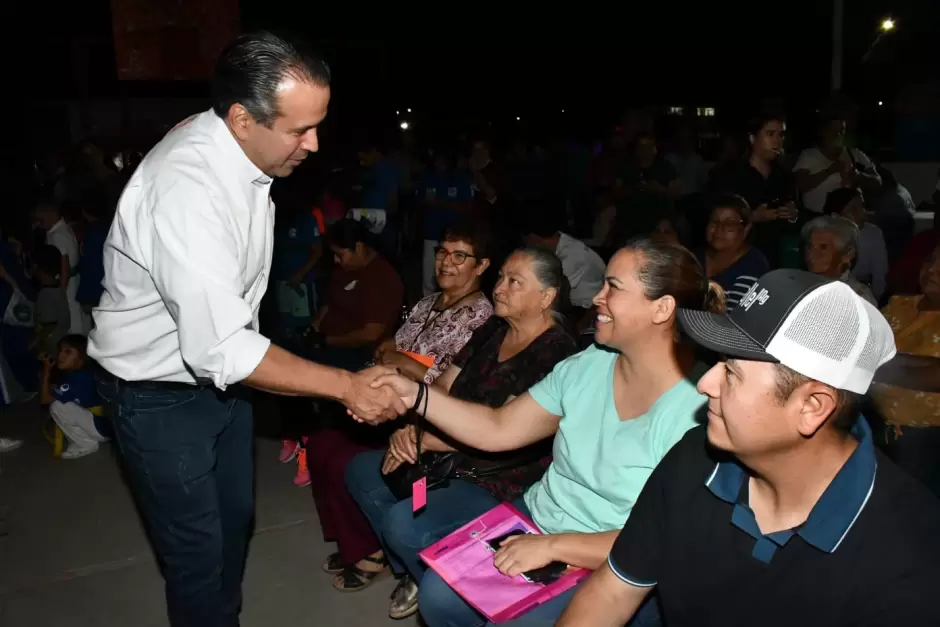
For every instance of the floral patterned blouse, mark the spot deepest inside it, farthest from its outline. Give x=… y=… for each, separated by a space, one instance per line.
x=918 y=333
x=441 y=334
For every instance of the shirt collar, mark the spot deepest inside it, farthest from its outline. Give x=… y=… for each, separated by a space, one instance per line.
x=247 y=169
x=840 y=505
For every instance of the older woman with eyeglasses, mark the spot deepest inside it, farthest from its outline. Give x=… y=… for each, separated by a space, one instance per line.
x=830 y=244
x=728 y=259
x=441 y=323
x=424 y=346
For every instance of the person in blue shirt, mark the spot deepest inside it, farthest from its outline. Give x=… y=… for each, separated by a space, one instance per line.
x=68 y=387
x=382 y=180
x=91 y=263
x=445 y=195
x=298 y=248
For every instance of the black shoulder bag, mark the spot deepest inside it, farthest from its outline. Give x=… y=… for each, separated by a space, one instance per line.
x=437 y=467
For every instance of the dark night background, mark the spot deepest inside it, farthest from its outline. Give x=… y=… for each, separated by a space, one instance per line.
x=475 y=62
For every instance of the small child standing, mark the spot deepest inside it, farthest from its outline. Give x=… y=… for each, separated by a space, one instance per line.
x=73 y=400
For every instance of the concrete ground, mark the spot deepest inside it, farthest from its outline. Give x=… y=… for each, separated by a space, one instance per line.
x=76 y=554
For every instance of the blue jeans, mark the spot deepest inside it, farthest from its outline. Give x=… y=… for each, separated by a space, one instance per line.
x=402 y=532
x=188 y=458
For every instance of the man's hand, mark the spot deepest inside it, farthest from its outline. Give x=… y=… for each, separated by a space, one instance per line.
x=372 y=403
x=405 y=388
x=403 y=445
x=520 y=554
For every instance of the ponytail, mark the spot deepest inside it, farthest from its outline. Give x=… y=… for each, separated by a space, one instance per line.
x=715 y=299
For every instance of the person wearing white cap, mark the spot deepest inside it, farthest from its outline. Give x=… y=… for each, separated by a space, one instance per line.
x=779 y=511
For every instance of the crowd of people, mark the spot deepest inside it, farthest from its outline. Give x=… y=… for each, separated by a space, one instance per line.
x=571 y=318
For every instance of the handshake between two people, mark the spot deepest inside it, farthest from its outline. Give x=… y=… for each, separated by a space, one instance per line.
x=379 y=394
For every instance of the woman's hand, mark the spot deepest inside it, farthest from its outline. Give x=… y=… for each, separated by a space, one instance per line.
x=403 y=445
x=520 y=554
x=405 y=388
x=383 y=349
x=788 y=211
x=393 y=359
x=763 y=213
x=389 y=463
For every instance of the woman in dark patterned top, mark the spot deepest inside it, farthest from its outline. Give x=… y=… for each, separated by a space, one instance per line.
x=506 y=356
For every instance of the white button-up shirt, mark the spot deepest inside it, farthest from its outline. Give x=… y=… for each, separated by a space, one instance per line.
x=186 y=262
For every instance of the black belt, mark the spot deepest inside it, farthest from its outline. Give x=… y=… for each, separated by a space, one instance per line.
x=174 y=386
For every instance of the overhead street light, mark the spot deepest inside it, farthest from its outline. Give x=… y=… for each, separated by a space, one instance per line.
x=887 y=25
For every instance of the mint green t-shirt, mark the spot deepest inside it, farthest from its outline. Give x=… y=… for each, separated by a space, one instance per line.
x=600 y=463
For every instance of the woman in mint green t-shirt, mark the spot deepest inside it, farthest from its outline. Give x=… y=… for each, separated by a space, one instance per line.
x=615 y=411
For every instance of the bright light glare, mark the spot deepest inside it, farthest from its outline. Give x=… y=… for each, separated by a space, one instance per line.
x=398 y=113
x=887 y=24
x=562 y=110
x=409 y=110
x=880 y=103
x=518 y=118
x=404 y=126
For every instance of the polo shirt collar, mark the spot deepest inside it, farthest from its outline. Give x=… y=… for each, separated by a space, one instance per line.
x=837 y=509
x=248 y=171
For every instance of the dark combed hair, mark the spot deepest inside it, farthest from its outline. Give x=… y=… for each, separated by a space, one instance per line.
x=759 y=119
x=346 y=233
x=48 y=259
x=672 y=270
x=250 y=70
x=543 y=217
x=735 y=203
x=76 y=341
x=847 y=403
x=838 y=199
x=476 y=233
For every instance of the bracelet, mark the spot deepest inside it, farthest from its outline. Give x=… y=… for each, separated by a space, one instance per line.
x=422 y=389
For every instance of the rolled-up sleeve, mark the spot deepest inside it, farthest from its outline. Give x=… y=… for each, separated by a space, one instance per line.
x=195 y=267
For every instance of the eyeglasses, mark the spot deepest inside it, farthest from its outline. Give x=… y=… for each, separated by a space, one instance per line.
x=457 y=257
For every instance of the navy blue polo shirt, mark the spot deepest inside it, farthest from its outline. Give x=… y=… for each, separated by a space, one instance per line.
x=867 y=555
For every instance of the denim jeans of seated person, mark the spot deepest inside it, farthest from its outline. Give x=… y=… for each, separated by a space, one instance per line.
x=402 y=532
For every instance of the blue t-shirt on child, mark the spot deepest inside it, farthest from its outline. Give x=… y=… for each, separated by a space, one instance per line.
x=78 y=386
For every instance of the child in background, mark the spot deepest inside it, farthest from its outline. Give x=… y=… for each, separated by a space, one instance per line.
x=73 y=398
x=53 y=316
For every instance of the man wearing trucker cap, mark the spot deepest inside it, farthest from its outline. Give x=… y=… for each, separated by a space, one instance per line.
x=779 y=511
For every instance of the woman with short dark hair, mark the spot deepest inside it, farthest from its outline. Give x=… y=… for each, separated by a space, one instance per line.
x=729 y=259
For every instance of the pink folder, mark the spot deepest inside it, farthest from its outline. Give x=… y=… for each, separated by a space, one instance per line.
x=464 y=560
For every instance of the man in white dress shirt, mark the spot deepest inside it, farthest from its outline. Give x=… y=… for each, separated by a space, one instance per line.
x=187 y=262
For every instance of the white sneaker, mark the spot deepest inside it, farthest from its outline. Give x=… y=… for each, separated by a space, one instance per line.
x=74 y=452
x=7 y=445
